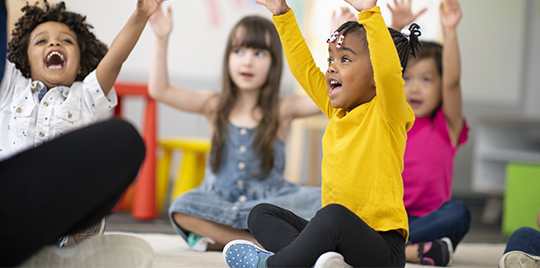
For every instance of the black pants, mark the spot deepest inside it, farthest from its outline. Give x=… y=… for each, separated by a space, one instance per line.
x=64 y=186
x=298 y=243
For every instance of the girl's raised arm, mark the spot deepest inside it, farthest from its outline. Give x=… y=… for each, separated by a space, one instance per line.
x=402 y=14
x=158 y=81
x=451 y=87
x=298 y=106
x=277 y=7
x=344 y=16
x=108 y=69
x=361 y=5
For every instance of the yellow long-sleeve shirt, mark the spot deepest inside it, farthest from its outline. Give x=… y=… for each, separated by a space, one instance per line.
x=362 y=149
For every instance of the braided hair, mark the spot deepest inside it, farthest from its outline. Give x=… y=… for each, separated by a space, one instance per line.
x=403 y=44
x=91 y=49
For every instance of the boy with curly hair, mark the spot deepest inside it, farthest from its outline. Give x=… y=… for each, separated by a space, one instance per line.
x=59 y=172
x=60 y=76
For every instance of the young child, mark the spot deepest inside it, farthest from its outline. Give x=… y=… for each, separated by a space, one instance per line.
x=432 y=85
x=53 y=187
x=363 y=220
x=249 y=124
x=60 y=77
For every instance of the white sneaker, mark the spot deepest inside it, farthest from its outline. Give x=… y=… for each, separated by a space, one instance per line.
x=331 y=259
x=109 y=250
x=199 y=243
x=519 y=259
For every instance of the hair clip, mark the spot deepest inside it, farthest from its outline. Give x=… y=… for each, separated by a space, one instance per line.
x=332 y=37
x=340 y=41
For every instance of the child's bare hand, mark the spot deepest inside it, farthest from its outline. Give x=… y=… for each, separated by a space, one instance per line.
x=450 y=13
x=147 y=7
x=162 y=25
x=402 y=14
x=361 y=5
x=277 y=7
x=346 y=15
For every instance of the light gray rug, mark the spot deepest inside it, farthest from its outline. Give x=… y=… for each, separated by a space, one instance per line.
x=172 y=251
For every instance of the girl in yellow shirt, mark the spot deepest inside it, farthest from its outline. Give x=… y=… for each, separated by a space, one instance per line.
x=363 y=221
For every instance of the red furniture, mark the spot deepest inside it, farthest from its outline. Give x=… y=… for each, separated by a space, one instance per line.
x=143 y=203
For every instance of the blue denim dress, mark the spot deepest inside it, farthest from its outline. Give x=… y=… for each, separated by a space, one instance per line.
x=227 y=196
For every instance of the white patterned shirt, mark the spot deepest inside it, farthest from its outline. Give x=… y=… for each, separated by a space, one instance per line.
x=26 y=122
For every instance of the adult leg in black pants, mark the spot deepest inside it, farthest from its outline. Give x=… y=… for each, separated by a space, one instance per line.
x=298 y=243
x=64 y=186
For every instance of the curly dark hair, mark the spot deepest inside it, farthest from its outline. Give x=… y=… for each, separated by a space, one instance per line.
x=91 y=49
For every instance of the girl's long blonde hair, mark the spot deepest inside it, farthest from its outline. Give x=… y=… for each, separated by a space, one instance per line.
x=259 y=33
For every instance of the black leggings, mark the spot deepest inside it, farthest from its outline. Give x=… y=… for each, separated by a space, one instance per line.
x=298 y=243
x=64 y=186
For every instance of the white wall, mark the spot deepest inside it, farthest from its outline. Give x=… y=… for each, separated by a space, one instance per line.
x=499 y=41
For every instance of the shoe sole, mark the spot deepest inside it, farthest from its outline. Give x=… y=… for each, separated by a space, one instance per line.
x=519 y=259
x=450 y=250
x=331 y=260
x=96 y=229
x=111 y=250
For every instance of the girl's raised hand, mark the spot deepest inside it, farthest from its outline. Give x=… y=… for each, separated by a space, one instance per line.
x=147 y=7
x=346 y=15
x=361 y=5
x=277 y=7
x=402 y=14
x=162 y=25
x=450 y=13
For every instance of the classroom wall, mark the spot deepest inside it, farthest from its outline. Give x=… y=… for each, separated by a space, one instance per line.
x=499 y=41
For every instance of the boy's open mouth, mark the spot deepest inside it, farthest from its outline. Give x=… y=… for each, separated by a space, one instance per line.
x=55 y=60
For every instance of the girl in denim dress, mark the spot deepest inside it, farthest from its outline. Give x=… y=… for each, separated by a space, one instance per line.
x=249 y=122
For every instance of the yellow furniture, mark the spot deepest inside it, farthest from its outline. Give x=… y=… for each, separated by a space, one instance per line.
x=190 y=171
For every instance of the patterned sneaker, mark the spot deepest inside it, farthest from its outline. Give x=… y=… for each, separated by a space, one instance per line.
x=243 y=253
x=76 y=238
x=199 y=243
x=331 y=259
x=438 y=252
x=519 y=259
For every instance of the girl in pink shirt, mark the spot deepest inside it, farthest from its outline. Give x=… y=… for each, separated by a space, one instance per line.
x=432 y=86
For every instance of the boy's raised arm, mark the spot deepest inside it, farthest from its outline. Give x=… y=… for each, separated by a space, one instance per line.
x=108 y=69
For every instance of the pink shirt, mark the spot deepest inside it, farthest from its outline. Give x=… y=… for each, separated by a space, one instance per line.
x=429 y=164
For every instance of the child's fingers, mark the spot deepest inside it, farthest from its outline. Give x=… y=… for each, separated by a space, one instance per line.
x=347 y=14
x=449 y=6
x=169 y=11
x=421 y=11
x=452 y=4
x=444 y=6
